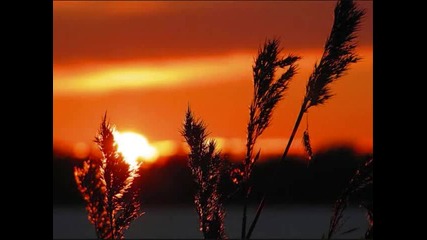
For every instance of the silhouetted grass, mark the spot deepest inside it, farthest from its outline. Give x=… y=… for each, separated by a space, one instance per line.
x=110 y=187
x=206 y=167
x=268 y=91
x=338 y=54
x=362 y=178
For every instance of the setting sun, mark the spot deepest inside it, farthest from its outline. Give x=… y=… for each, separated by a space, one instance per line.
x=134 y=146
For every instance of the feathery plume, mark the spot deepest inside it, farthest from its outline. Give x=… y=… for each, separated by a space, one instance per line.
x=110 y=187
x=307 y=145
x=268 y=91
x=339 y=53
x=206 y=167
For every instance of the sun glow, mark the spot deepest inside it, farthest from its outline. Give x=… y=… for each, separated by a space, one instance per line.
x=135 y=148
x=106 y=77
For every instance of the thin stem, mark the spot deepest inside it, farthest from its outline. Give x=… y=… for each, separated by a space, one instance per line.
x=258 y=212
x=282 y=160
x=245 y=207
x=294 y=131
x=245 y=192
x=249 y=149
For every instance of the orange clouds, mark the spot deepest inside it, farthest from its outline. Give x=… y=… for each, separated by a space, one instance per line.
x=144 y=62
x=146 y=75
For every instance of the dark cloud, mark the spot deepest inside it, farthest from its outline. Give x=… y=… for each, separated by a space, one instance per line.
x=97 y=32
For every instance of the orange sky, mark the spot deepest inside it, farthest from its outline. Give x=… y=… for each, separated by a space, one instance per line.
x=144 y=62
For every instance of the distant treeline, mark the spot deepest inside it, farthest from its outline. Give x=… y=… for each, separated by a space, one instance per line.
x=171 y=183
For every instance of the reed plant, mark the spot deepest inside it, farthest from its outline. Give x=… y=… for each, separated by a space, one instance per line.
x=338 y=54
x=362 y=178
x=110 y=187
x=267 y=92
x=206 y=167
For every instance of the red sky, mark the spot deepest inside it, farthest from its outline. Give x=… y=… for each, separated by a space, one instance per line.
x=143 y=62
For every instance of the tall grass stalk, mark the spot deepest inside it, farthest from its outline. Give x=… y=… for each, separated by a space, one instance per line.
x=362 y=178
x=338 y=54
x=110 y=187
x=206 y=167
x=268 y=91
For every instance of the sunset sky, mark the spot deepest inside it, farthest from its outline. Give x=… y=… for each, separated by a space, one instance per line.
x=144 y=62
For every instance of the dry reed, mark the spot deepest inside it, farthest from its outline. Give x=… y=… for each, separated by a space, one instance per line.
x=338 y=54
x=110 y=188
x=206 y=167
